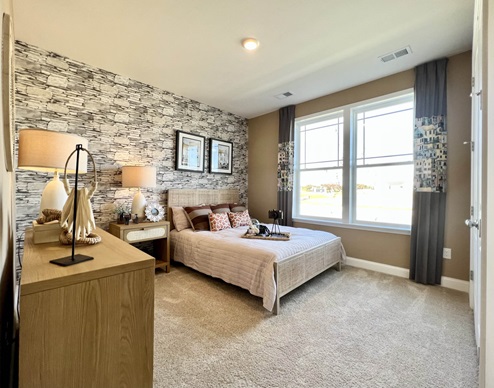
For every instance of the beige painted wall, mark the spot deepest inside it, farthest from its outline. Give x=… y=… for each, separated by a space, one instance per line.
x=387 y=248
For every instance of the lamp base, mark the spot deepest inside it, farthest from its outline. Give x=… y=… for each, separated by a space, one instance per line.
x=54 y=195
x=138 y=205
x=66 y=261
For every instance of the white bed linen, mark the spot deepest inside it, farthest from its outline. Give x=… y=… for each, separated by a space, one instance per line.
x=247 y=263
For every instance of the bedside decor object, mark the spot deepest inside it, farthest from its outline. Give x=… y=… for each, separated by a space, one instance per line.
x=8 y=91
x=276 y=215
x=77 y=218
x=189 y=154
x=154 y=212
x=120 y=209
x=220 y=156
x=138 y=176
x=34 y=155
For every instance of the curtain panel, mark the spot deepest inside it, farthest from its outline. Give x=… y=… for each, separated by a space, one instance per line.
x=430 y=162
x=285 y=163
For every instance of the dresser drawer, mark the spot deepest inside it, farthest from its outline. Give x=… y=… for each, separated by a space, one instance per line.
x=145 y=234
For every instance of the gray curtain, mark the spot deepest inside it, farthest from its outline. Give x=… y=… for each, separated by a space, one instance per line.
x=285 y=163
x=430 y=160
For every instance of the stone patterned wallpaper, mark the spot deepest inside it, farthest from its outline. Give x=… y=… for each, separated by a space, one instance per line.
x=126 y=123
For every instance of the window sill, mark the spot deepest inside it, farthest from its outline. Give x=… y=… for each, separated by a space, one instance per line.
x=370 y=228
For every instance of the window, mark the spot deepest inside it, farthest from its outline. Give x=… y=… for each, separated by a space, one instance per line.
x=354 y=165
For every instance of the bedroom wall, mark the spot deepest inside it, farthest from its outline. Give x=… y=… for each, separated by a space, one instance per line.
x=386 y=248
x=8 y=289
x=126 y=122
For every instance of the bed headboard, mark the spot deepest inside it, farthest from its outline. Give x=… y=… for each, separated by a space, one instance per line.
x=191 y=197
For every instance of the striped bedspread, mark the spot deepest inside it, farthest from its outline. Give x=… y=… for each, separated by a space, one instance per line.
x=247 y=263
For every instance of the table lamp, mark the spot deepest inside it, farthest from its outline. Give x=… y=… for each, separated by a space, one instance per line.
x=47 y=151
x=138 y=176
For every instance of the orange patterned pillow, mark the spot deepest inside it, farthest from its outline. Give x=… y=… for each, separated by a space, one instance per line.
x=239 y=219
x=218 y=221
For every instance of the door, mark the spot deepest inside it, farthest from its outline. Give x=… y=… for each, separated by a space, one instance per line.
x=475 y=221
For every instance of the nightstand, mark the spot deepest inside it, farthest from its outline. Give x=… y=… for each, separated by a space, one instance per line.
x=147 y=231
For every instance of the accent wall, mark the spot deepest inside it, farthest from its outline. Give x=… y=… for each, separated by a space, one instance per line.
x=126 y=123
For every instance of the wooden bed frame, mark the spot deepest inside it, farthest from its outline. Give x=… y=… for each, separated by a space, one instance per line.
x=291 y=272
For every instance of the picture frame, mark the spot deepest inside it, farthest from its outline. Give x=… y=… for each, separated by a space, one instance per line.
x=220 y=156
x=8 y=90
x=189 y=154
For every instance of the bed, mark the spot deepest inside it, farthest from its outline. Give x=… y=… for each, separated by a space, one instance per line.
x=266 y=268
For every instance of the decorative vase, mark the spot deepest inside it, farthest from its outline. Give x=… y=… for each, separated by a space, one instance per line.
x=120 y=218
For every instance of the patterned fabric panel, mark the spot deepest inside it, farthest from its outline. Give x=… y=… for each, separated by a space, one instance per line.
x=237 y=207
x=198 y=216
x=239 y=219
x=431 y=153
x=285 y=166
x=180 y=220
x=218 y=221
x=221 y=208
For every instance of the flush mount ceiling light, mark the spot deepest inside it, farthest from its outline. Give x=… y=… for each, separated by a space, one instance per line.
x=250 y=44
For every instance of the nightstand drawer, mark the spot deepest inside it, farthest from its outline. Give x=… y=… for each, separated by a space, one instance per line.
x=144 y=234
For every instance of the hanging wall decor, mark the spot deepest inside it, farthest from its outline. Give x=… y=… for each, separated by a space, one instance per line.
x=189 y=154
x=220 y=156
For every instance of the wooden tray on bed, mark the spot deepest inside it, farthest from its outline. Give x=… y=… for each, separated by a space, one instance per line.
x=278 y=236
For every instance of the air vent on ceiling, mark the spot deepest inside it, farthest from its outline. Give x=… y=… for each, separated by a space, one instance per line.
x=283 y=95
x=396 y=54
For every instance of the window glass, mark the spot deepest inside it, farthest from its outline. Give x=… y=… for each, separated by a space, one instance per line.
x=321 y=193
x=384 y=194
x=378 y=168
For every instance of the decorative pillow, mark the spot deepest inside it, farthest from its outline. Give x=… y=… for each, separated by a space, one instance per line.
x=237 y=207
x=218 y=221
x=180 y=220
x=198 y=216
x=239 y=219
x=221 y=208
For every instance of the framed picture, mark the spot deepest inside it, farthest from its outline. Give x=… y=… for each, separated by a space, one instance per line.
x=8 y=91
x=220 y=156
x=190 y=152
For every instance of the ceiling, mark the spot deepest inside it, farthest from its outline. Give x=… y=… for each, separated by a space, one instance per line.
x=192 y=47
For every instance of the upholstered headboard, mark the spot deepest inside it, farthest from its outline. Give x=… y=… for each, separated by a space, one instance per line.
x=191 y=197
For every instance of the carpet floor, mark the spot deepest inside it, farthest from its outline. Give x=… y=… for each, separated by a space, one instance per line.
x=354 y=328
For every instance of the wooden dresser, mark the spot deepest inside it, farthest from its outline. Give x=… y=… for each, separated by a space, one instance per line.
x=90 y=324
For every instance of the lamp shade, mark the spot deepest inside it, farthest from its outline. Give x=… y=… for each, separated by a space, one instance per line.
x=138 y=176
x=45 y=150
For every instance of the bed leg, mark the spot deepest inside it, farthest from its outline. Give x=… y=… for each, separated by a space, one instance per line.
x=276 y=307
x=338 y=267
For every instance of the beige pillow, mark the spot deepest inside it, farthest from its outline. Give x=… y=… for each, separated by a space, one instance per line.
x=180 y=220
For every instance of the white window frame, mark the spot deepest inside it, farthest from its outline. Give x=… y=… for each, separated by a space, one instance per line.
x=349 y=168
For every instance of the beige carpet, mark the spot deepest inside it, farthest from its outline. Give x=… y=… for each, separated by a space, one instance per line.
x=353 y=328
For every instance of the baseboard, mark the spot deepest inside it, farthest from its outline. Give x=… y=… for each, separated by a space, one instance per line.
x=378 y=267
x=455 y=284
